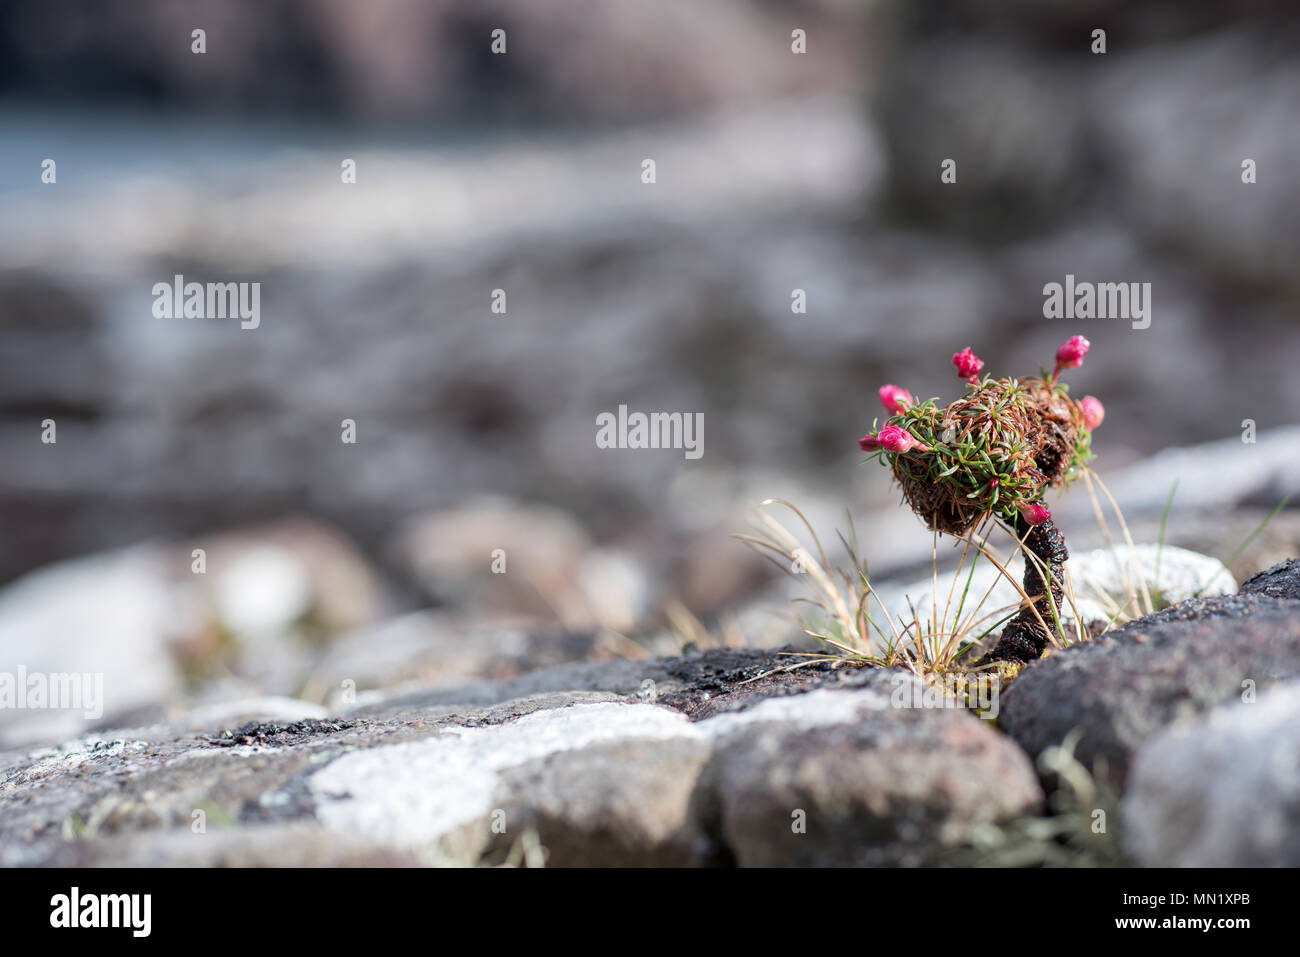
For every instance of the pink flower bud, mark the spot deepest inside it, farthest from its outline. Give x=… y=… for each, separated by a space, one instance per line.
x=895 y=439
x=1093 y=411
x=1035 y=513
x=868 y=443
x=1071 y=353
x=894 y=398
x=968 y=364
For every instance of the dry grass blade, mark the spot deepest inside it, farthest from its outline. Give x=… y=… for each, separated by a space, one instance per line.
x=1090 y=476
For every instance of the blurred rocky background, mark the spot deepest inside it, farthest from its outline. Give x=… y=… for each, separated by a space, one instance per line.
x=370 y=563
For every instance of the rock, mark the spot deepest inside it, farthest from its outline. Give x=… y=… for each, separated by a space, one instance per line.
x=690 y=760
x=1222 y=790
x=440 y=648
x=439 y=794
x=228 y=713
x=616 y=588
x=1218 y=532
x=1170 y=573
x=502 y=557
x=108 y=618
x=1280 y=581
x=253 y=613
x=878 y=786
x=712 y=675
x=1104 y=579
x=630 y=802
x=1214 y=476
x=1128 y=684
x=618 y=677
x=613 y=782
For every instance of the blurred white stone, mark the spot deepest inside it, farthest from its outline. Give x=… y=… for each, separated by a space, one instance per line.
x=616 y=588
x=1222 y=790
x=1104 y=580
x=262 y=592
x=110 y=614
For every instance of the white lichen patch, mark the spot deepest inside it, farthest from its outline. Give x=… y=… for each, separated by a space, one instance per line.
x=415 y=792
x=66 y=757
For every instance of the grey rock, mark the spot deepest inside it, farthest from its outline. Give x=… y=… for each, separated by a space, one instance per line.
x=610 y=782
x=1125 y=686
x=1220 y=791
x=1280 y=581
x=436 y=795
x=623 y=773
x=620 y=677
x=632 y=802
x=891 y=787
x=436 y=648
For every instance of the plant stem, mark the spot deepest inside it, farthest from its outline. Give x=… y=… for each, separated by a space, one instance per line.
x=1025 y=639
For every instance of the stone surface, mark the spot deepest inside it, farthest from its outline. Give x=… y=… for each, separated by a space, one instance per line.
x=1280 y=581
x=691 y=760
x=1222 y=790
x=892 y=788
x=1125 y=686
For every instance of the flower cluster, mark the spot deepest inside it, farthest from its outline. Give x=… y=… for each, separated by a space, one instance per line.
x=997 y=449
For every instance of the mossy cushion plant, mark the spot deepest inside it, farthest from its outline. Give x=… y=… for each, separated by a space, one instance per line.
x=995 y=452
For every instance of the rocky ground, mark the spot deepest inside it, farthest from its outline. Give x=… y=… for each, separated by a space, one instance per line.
x=348 y=686
x=1123 y=167
x=723 y=757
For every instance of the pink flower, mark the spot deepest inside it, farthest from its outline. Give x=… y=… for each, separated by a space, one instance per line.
x=1093 y=411
x=968 y=364
x=894 y=398
x=894 y=439
x=869 y=443
x=1071 y=353
x=1035 y=513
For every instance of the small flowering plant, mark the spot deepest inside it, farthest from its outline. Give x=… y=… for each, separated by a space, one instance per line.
x=993 y=452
